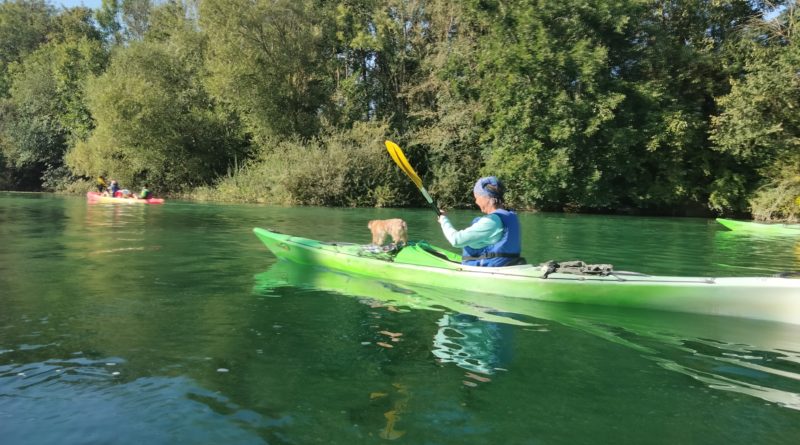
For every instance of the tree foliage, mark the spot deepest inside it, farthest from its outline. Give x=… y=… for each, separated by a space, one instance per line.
x=155 y=120
x=758 y=129
x=267 y=59
x=24 y=25
x=45 y=109
x=600 y=105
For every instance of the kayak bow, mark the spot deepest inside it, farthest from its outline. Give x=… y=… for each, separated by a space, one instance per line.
x=760 y=228
x=765 y=298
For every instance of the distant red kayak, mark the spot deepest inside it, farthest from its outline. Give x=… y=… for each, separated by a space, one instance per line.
x=95 y=197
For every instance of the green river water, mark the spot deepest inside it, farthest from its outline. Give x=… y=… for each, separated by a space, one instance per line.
x=132 y=324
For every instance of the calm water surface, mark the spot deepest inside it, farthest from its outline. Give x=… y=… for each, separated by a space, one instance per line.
x=172 y=324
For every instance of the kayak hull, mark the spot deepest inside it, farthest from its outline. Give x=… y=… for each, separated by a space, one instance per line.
x=765 y=298
x=760 y=228
x=94 y=197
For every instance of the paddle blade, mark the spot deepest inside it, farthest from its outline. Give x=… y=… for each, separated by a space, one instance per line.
x=400 y=159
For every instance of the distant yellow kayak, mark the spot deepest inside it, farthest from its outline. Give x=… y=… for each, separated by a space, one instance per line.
x=95 y=197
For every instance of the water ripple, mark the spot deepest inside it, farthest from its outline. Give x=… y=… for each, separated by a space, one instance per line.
x=769 y=371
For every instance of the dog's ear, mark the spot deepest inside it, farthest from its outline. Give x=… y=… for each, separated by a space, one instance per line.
x=369 y=224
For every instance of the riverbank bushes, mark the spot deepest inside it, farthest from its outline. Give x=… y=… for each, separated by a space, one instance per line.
x=344 y=168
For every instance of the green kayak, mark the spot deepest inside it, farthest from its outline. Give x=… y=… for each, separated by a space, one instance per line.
x=762 y=228
x=765 y=298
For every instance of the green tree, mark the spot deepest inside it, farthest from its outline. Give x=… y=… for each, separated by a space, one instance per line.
x=45 y=110
x=32 y=135
x=24 y=25
x=155 y=120
x=549 y=92
x=355 y=49
x=269 y=60
x=382 y=46
x=107 y=17
x=601 y=105
x=758 y=130
x=681 y=64
x=442 y=98
x=136 y=17
x=409 y=62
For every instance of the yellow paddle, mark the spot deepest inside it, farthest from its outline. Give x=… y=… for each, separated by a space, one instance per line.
x=401 y=161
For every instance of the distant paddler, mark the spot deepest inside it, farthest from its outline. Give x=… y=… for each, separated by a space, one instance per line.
x=102 y=185
x=145 y=193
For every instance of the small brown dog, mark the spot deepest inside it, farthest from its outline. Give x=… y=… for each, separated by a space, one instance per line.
x=395 y=227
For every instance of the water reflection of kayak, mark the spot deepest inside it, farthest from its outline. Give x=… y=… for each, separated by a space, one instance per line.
x=525 y=312
x=765 y=298
x=466 y=328
x=375 y=291
x=753 y=357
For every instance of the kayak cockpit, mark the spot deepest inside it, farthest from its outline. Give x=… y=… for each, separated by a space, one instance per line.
x=423 y=254
x=419 y=253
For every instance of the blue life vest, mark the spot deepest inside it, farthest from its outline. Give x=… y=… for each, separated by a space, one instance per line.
x=502 y=253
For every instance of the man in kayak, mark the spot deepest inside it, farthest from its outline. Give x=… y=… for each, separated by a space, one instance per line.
x=493 y=240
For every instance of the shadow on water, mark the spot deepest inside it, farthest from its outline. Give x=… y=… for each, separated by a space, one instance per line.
x=751 y=357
